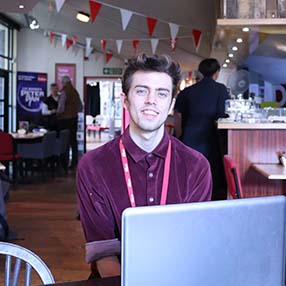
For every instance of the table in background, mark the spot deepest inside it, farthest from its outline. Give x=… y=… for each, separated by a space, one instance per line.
x=95 y=128
x=111 y=281
x=27 y=136
x=271 y=171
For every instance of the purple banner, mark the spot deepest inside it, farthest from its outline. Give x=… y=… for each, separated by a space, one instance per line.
x=31 y=90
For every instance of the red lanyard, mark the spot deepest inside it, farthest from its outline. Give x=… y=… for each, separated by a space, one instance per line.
x=128 y=176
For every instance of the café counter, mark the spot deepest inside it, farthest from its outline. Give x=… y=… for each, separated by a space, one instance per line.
x=250 y=144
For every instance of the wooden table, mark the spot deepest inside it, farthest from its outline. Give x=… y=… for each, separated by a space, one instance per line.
x=27 y=136
x=271 y=171
x=112 y=281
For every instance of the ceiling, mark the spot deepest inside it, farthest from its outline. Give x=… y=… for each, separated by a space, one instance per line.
x=188 y=14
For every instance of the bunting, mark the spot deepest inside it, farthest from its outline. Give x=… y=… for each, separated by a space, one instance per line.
x=151 y=23
x=173 y=44
x=59 y=4
x=74 y=40
x=119 y=46
x=108 y=57
x=135 y=45
x=52 y=37
x=197 y=37
x=174 y=29
x=64 y=39
x=88 y=48
x=154 y=44
x=125 y=18
x=103 y=44
x=69 y=43
x=94 y=9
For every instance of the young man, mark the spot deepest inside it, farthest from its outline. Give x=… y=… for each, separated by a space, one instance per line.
x=196 y=110
x=131 y=169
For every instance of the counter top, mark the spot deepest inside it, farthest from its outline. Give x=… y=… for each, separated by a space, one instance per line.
x=225 y=124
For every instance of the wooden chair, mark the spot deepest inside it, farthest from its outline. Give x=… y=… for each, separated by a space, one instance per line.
x=232 y=177
x=31 y=261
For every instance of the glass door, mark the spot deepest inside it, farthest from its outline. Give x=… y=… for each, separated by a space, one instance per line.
x=4 y=93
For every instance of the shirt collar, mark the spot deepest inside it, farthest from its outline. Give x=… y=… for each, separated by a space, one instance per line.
x=138 y=154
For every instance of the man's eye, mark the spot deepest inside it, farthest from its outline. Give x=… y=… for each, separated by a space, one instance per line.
x=141 y=91
x=162 y=94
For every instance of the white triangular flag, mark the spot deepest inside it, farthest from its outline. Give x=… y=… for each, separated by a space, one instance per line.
x=154 y=44
x=174 y=29
x=59 y=4
x=119 y=45
x=88 y=42
x=88 y=51
x=125 y=18
x=64 y=39
x=88 y=48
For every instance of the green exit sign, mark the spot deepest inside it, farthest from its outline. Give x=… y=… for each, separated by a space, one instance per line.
x=112 y=71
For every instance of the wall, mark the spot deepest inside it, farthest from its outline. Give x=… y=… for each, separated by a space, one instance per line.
x=37 y=54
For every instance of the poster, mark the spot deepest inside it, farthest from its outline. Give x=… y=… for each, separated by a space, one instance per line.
x=65 y=69
x=31 y=90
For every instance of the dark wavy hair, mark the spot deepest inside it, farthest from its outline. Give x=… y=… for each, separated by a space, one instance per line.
x=154 y=64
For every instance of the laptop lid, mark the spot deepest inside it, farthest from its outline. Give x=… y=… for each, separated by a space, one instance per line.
x=233 y=242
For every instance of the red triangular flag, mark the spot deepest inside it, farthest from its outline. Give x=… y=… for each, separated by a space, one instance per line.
x=69 y=42
x=197 y=36
x=135 y=45
x=52 y=36
x=94 y=9
x=151 y=22
x=74 y=39
x=103 y=44
x=108 y=57
x=173 y=44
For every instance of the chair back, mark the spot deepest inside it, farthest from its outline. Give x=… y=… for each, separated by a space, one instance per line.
x=63 y=141
x=6 y=146
x=232 y=177
x=31 y=261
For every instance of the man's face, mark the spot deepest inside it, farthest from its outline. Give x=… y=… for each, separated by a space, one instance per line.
x=54 y=90
x=148 y=100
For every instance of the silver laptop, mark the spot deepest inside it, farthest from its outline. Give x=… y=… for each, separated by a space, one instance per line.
x=223 y=243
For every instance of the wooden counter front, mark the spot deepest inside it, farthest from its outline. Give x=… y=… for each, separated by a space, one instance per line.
x=252 y=145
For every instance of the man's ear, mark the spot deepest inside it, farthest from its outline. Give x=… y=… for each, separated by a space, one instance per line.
x=124 y=100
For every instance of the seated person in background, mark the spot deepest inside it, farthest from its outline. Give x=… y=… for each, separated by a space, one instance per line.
x=49 y=108
x=145 y=166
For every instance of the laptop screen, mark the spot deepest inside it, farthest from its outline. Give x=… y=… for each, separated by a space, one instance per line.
x=233 y=242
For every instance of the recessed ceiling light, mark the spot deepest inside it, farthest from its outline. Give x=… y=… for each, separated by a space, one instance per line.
x=239 y=40
x=227 y=61
x=234 y=48
x=245 y=29
x=224 y=65
x=230 y=55
x=21 y=6
x=83 y=17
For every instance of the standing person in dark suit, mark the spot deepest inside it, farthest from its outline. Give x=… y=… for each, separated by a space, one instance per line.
x=67 y=112
x=196 y=110
x=49 y=108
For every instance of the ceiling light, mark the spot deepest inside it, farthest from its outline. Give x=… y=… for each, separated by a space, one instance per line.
x=224 y=65
x=227 y=61
x=234 y=48
x=239 y=40
x=21 y=6
x=230 y=55
x=245 y=29
x=83 y=17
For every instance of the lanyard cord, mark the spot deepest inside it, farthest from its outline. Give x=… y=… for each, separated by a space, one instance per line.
x=128 y=176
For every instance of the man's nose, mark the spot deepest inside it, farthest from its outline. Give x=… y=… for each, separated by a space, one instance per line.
x=151 y=97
